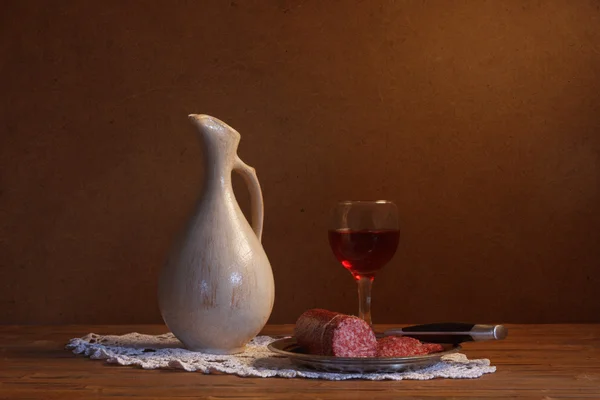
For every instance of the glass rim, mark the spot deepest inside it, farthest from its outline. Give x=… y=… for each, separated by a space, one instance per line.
x=365 y=202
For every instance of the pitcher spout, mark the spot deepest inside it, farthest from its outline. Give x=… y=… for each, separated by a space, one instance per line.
x=220 y=141
x=206 y=123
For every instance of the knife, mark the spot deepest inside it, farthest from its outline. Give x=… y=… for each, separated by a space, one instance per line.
x=451 y=332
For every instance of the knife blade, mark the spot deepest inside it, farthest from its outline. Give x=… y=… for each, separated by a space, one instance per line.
x=451 y=332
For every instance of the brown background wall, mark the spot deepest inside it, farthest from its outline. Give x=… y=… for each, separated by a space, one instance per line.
x=481 y=119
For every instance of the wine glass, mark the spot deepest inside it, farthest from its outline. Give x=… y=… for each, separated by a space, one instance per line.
x=364 y=236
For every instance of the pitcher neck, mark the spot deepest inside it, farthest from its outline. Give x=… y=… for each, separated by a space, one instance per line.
x=217 y=171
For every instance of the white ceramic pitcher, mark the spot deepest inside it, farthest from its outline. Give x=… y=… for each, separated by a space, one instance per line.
x=216 y=290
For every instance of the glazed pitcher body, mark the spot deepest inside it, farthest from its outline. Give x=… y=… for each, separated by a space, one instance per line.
x=216 y=289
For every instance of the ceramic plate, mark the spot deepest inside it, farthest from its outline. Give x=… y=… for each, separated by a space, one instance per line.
x=289 y=347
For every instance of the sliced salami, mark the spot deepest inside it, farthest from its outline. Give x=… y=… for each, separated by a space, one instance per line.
x=433 y=347
x=403 y=346
x=329 y=333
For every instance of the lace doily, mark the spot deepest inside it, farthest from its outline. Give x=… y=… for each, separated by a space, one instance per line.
x=165 y=351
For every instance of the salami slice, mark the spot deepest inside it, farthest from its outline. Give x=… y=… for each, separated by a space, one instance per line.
x=329 y=333
x=404 y=346
x=433 y=347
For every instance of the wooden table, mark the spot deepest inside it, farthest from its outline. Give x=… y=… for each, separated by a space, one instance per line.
x=535 y=361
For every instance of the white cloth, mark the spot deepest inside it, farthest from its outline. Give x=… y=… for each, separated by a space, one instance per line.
x=165 y=351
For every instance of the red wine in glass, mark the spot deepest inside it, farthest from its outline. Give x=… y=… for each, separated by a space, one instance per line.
x=364 y=237
x=363 y=252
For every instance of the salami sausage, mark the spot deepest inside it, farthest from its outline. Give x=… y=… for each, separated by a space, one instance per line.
x=329 y=333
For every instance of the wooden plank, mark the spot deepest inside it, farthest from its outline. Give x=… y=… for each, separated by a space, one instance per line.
x=536 y=361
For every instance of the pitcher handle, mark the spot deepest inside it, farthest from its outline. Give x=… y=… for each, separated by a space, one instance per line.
x=256 y=198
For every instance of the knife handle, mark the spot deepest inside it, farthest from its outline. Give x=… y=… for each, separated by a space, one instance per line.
x=451 y=332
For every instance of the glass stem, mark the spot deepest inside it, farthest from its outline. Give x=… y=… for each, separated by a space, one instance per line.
x=364 y=298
